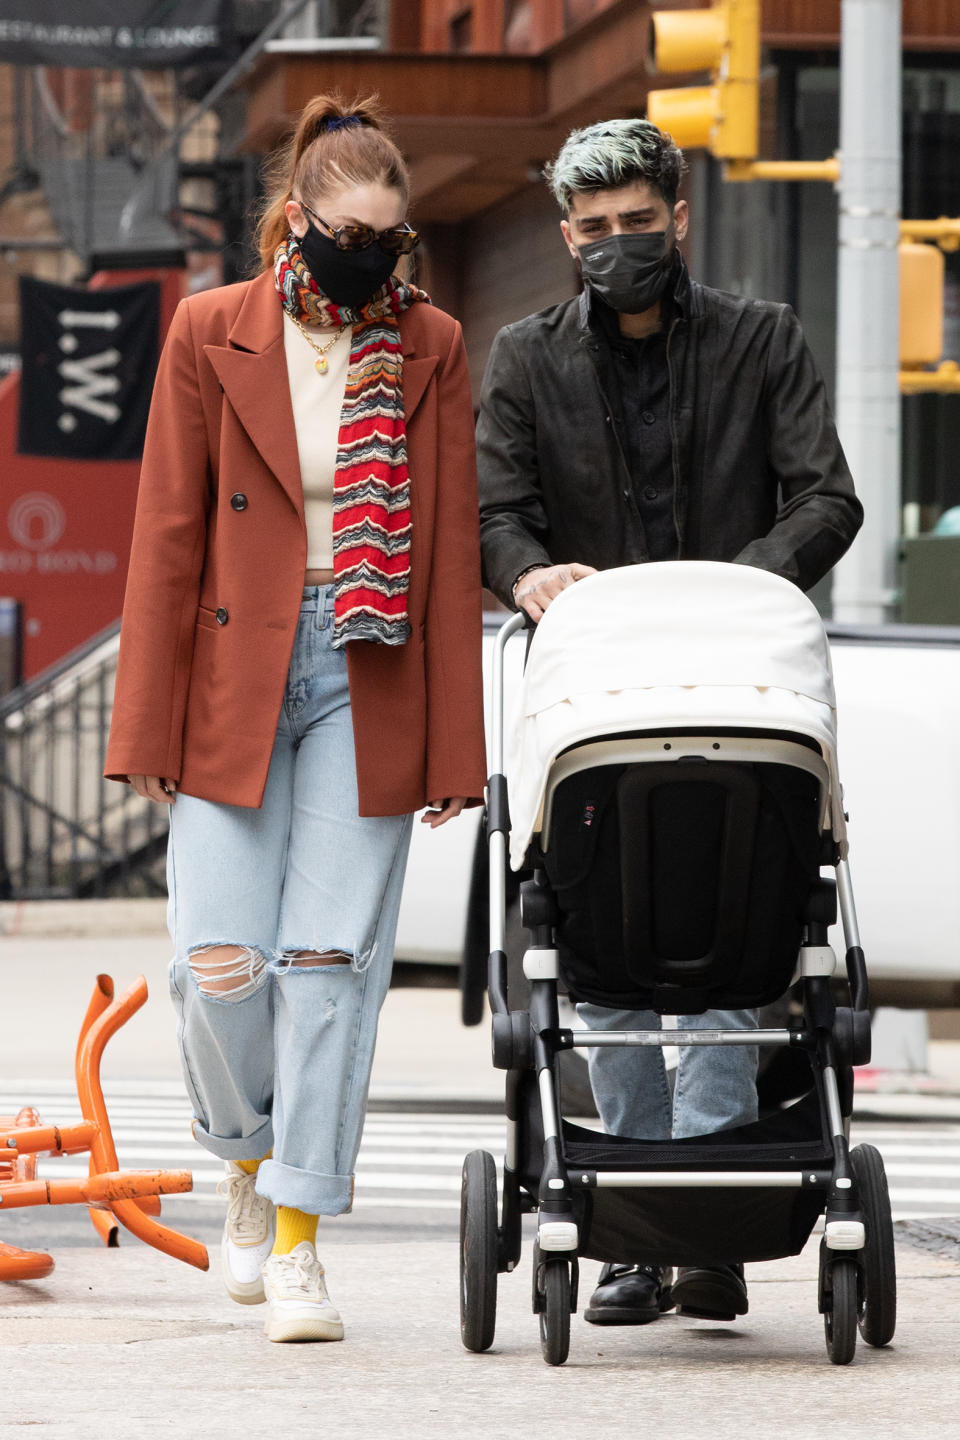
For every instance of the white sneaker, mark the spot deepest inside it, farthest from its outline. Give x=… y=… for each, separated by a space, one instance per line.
x=247 y=1236
x=300 y=1307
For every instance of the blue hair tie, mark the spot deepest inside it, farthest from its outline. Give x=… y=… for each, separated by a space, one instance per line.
x=342 y=122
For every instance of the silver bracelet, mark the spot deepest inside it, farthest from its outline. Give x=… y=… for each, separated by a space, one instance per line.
x=529 y=570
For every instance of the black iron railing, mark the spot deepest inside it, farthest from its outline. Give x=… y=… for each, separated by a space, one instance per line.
x=64 y=830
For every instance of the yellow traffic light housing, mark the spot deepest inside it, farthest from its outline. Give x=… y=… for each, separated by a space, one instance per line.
x=721 y=117
x=921 y=304
x=921 y=307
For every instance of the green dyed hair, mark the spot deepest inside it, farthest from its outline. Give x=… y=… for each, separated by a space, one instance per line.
x=613 y=153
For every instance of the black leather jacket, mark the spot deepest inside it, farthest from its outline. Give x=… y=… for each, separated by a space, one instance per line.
x=759 y=476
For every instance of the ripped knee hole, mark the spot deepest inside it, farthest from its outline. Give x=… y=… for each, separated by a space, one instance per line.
x=231 y=972
x=310 y=958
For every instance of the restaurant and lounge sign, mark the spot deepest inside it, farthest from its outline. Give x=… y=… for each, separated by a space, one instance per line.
x=148 y=34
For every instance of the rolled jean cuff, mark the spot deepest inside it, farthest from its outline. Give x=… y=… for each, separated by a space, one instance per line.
x=305 y=1190
x=243 y=1147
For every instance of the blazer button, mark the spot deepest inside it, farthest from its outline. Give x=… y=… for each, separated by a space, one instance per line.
x=239 y=501
x=222 y=616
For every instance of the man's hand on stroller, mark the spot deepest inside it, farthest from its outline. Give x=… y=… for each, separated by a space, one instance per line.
x=536 y=590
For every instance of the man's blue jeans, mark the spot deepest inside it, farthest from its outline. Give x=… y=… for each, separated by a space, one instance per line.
x=716 y=1084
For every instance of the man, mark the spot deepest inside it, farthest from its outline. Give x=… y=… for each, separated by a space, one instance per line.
x=648 y=419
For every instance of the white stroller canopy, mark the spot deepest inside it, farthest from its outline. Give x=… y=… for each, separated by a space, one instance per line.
x=685 y=643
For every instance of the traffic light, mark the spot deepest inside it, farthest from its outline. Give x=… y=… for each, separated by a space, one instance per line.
x=725 y=39
x=921 y=304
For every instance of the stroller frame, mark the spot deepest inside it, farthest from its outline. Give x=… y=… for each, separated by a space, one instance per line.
x=857 y=1280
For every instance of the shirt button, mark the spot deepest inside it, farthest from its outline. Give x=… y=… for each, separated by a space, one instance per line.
x=222 y=616
x=239 y=501
x=648 y=417
x=651 y=493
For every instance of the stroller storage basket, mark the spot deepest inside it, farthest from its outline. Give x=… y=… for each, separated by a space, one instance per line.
x=672 y=1224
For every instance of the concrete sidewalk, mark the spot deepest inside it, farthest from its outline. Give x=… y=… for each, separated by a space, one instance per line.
x=128 y=1343
x=51 y=953
x=50 y=961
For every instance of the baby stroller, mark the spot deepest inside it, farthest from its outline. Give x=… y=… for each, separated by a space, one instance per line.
x=673 y=787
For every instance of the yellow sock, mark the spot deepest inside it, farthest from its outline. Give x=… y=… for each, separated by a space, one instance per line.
x=250 y=1167
x=293 y=1227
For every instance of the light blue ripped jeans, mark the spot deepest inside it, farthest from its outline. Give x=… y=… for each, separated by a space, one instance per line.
x=716 y=1085
x=287 y=1065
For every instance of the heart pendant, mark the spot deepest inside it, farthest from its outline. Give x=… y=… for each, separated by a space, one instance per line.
x=320 y=365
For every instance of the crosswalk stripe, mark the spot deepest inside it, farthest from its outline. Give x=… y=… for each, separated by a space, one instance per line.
x=920 y=1152
x=907 y=1196
x=923 y=1172
x=412 y=1159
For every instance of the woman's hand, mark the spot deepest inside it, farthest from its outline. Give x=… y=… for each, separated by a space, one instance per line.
x=442 y=810
x=155 y=788
x=537 y=589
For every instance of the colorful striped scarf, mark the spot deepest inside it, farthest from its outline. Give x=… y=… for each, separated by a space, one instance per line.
x=371 y=486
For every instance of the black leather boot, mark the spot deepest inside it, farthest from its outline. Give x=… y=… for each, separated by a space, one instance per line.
x=711 y=1292
x=630 y=1295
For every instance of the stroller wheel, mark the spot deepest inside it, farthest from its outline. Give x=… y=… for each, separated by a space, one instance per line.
x=478 y=1251
x=878 y=1307
x=552 y=1301
x=840 y=1316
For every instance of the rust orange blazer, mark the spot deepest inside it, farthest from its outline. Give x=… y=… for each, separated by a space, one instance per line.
x=220 y=532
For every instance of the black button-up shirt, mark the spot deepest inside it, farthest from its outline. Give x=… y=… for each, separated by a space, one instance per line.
x=639 y=370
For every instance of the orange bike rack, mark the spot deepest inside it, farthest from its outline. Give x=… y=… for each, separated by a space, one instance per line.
x=131 y=1197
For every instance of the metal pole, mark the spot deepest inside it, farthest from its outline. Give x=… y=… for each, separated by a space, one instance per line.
x=868 y=328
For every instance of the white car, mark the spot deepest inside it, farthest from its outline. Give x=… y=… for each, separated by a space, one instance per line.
x=898 y=702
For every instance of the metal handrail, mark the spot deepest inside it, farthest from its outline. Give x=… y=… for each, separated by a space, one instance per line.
x=64 y=829
x=135 y=80
x=19 y=698
x=50 y=107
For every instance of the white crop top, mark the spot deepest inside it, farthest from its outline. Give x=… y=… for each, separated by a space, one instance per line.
x=317 y=401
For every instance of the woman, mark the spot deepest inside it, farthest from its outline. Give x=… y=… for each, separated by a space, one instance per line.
x=299 y=671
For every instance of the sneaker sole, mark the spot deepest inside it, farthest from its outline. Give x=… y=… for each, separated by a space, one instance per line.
x=242 y=1292
x=250 y=1294
x=293 y=1328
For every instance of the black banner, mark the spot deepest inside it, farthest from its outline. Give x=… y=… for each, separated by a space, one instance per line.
x=89 y=360
x=150 y=34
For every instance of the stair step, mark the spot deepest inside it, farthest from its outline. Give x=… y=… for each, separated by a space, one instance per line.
x=112 y=182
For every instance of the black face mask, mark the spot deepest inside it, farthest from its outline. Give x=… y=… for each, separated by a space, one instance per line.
x=347 y=277
x=629 y=272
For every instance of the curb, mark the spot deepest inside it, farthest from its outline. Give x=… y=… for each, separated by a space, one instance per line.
x=62 y=919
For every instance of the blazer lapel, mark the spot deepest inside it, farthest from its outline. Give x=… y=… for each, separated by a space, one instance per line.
x=252 y=370
x=416 y=377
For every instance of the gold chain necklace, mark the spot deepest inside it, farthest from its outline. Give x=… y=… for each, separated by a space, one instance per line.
x=321 y=364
